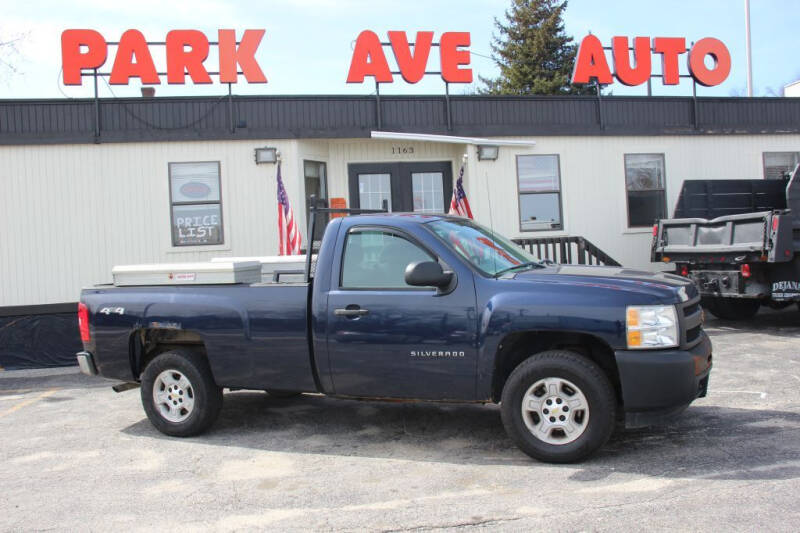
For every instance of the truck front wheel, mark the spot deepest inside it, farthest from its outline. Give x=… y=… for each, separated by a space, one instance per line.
x=733 y=308
x=179 y=394
x=558 y=407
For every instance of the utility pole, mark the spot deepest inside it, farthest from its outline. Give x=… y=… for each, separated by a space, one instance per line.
x=749 y=49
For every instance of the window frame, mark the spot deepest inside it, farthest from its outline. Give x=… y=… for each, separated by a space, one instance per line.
x=172 y=204
x=323 y=219
x=390 y=230
x=561 y=223
x=305 y=177
x=433 y=210
x=764 y=159
x=648 y=226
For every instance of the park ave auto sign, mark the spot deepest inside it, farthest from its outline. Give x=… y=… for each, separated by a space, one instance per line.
x=187 y=52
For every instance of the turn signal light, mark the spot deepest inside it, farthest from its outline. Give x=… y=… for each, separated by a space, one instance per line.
x=83 y=322
x=746 y=271
x=634 y=338
x=632 y=318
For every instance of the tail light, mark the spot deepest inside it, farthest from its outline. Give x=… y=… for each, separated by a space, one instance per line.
x=746 y=271
x=685 y=270
x=83 y=322
x=655 y=230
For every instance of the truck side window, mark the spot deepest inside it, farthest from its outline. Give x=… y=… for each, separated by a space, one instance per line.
x=375 y=259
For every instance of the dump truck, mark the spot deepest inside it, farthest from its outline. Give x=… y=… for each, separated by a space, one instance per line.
x=738 y=240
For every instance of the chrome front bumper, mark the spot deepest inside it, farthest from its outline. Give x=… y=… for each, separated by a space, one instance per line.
x=86 y=363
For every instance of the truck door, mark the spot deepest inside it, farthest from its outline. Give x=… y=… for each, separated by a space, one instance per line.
x=389 y=339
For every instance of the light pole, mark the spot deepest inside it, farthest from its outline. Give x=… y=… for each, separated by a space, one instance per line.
x=749 y=50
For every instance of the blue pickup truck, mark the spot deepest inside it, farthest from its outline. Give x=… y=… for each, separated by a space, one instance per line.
x=418 y=307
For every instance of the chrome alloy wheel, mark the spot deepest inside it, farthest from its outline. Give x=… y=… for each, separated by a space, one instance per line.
x=555 y=411
x=173 y=395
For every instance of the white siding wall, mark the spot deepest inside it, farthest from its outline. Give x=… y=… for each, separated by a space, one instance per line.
x=68 y=213
x=593 y=182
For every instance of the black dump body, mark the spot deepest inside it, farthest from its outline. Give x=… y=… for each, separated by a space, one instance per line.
x=711 y=199
x=735 y=237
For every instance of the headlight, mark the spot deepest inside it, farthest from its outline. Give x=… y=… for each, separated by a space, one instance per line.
x=651 y=326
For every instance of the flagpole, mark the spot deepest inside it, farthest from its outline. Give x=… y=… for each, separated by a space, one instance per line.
x=749 y=48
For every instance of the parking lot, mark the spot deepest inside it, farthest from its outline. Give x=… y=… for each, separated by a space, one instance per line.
x=74 y=455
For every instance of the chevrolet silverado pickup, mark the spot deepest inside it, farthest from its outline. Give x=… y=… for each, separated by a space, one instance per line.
x=415 y=307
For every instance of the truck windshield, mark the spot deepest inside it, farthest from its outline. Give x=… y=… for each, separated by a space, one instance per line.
x=489 y=252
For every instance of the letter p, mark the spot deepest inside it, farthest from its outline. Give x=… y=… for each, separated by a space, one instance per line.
x=73 y=59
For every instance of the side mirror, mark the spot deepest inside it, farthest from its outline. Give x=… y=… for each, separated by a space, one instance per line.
x=428 y=274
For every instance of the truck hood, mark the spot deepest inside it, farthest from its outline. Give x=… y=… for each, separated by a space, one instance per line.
x=668 y=287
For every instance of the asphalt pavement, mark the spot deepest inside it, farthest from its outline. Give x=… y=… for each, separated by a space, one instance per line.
x=76 y=456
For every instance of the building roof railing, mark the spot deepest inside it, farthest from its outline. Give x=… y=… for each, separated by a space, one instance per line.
x=111 y=120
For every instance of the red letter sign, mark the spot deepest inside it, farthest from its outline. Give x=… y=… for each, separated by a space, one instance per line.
x=180 y=61
x=72 y=60
x=368 y=60
x=132 y=43
x=591 y=62
x=669 y=48
x=245 y=56
x=451 y=57
x=697 y=66
x=412 y=68
x=622 y=60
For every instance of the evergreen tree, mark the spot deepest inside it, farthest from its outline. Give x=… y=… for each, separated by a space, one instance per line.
x=534 y=54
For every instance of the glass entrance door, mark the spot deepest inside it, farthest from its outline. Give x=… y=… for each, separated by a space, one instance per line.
x=407 y=187
x=373 y=189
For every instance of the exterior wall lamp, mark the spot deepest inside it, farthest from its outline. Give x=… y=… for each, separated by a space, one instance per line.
x=266 y=155
x=488 y=152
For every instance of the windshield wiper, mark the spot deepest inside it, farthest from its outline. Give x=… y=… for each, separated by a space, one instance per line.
x=527 y=264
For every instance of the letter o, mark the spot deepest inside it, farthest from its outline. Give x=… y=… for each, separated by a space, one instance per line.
x=697 y=66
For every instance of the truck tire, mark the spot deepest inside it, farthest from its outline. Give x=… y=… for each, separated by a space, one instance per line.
x=558 y=407
x=179 y=394
x=733 y=308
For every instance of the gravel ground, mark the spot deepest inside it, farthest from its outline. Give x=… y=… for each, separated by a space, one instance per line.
x=76 y=456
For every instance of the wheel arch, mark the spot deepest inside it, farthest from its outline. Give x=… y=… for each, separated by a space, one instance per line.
x=146 y=343
x=518 y=346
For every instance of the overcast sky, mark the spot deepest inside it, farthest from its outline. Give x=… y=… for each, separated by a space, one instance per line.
x=308 y=44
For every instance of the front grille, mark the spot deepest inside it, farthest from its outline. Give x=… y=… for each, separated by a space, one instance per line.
x=691 y=309
x=693 y=334
x=691 y=323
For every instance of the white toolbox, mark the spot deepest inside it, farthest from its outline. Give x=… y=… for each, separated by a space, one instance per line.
x=271 y=263
x=222 y=272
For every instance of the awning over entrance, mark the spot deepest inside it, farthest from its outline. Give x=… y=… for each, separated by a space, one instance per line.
x=429 y=137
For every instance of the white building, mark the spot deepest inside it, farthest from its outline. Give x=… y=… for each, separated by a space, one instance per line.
x=86 y=187
x=792 y=89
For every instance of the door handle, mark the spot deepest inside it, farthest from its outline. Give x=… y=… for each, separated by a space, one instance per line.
x=351 y=312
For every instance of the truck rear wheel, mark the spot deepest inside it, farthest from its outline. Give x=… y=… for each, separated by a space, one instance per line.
x=179 y=394
x=733 y=308
x=558 y=407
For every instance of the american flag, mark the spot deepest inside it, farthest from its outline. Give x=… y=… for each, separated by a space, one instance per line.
x=288 y=232
x=459 y=205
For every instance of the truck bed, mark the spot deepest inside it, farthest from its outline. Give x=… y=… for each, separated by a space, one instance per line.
x=256 y=335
